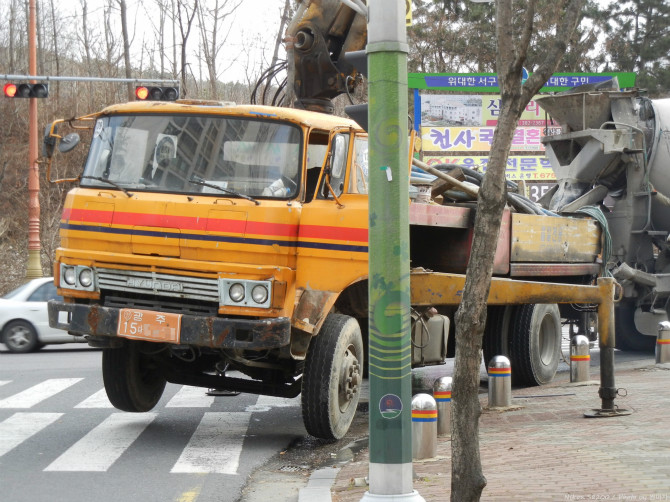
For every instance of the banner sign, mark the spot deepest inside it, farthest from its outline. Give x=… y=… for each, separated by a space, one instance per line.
x=473 y=110
x=488 y=82
x=480 y=139
x=518 y=167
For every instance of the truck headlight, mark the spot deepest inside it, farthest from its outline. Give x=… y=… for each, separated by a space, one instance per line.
x=78 y=277
x=259 y=293
x=241 y=292
x=86 y=277
x=68 y=275
x=236 y=292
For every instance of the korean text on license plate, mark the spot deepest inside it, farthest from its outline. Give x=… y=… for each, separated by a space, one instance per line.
x=148 y=325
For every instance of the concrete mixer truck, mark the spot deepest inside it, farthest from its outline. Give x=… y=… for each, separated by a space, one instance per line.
x=614 y=152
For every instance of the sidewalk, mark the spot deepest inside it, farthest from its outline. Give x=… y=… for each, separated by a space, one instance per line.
x=543 y=449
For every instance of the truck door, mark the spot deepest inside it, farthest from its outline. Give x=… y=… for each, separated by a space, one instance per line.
x=333 y=235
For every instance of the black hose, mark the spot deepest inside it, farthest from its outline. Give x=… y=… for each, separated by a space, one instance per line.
x=519 y=202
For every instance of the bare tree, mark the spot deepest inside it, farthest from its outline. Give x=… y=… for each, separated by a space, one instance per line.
x=161 y=35
x=212 y=21
x=184 y=19
x=126 y=46
x=514 y=38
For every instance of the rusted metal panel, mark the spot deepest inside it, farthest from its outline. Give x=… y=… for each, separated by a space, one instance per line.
x=440 y=216
x=311 y=308
x=553 y=269
x=444 y=244
x=214 y=332
x=551 y=239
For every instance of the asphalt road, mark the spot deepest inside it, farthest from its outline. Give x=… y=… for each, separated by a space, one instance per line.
x=60 y=439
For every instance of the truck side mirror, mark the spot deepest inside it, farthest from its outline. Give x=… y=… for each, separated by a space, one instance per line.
x=49 y=141
x=51 y=138
x=339 y=159
x=68 y=142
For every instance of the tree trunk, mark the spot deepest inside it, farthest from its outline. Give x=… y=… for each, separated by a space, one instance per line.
x=467 y=478
x=126 y=47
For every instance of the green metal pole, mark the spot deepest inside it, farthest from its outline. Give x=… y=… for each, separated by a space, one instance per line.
x=390 y=374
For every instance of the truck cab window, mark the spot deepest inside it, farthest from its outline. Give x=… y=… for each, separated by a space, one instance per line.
x=236 y=156
x=358 y=180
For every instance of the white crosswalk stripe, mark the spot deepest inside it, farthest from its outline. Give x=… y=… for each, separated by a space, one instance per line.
x=21 y=426
x=266 y=403
x=216 y=444
x=191 y=397
x=38 y=393
x=103 y=445
x=214 y=447
x=97 y=400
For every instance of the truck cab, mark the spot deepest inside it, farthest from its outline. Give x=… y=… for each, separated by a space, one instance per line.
x=204 y=238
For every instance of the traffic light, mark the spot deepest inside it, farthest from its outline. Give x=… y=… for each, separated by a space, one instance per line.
x=359 y=60
x=12 y=90
x=144 y=93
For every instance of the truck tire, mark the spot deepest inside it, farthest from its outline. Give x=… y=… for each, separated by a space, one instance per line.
x=496 y=332
x=131 y=382
x=535 y=343
x=626 y=336
x=332 y=377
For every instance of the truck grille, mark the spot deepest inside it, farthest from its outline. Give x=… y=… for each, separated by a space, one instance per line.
x=156 y=284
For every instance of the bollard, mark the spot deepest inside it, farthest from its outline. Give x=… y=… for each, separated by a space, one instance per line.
x=580 y=359
x=663 y=343
x=424 y=427
x=500 y=382
x=442 y=395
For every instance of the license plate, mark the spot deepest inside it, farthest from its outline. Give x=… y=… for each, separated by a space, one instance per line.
x=149 y=325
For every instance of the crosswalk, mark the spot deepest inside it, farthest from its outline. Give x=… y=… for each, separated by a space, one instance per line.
x=215 y=444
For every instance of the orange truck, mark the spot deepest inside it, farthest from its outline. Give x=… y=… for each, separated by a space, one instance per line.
x=226 y=246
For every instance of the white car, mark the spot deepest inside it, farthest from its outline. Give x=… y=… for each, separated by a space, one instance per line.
x=24 y=323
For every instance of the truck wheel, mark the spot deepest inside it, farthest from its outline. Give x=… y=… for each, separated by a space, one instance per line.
x=626 y=336
x=535 y=343
x=331 y=384
x=496 y=332
x=131 y=381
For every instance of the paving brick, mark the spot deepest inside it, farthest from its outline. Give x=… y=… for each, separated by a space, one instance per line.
x=545 y=449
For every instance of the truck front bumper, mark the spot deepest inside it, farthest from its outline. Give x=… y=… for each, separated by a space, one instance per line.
x=203 y=331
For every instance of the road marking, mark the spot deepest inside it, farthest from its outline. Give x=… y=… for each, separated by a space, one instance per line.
x=3 y=382
x=266 y=403
x=97 y=400
x=190 y=397
x=216 y=444
x=103 y=445
x=190 y=495
x=38 y=393
x=20 y=426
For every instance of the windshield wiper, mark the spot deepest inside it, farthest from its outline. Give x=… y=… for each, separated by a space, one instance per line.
x=104 y=180
x=197 y=180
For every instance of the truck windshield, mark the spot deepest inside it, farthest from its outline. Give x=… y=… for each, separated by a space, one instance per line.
x=221 y=156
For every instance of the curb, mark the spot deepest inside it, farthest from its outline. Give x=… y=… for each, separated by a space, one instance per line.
x=319 y=485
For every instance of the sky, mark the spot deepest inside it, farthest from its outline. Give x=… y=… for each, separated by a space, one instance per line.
x=253 y=29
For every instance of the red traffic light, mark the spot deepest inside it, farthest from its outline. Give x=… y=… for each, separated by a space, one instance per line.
x=12 y=90
x=156 y=93
x=141 y=92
